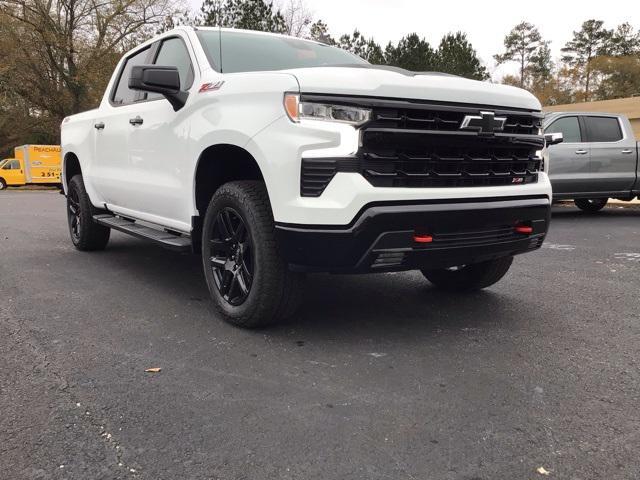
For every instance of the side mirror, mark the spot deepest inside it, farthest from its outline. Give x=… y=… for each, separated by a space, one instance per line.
x=551 y=138
x=159 y=79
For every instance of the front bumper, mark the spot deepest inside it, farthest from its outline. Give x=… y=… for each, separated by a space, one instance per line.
x=279 y=150
x=381 y=237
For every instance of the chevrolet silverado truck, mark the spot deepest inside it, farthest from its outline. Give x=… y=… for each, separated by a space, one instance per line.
x=273 y=156
x=597 y=160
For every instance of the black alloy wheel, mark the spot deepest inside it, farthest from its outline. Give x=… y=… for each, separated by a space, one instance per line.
x=248 y=278
x=74 y=215
x=231 y=256
x=86 y=234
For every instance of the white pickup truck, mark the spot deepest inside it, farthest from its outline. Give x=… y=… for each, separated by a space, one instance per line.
x=274 y=156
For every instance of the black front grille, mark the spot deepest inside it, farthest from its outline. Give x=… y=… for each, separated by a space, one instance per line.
x=399 y=159
x=424 y=147
x=449 y=120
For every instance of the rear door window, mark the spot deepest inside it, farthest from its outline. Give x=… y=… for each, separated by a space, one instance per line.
x=603 y=129
x=569 y=127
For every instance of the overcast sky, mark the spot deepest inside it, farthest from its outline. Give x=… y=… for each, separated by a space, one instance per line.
x=485 y=22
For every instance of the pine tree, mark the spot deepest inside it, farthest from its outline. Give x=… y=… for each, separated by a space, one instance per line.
x=363 y=47
x=521 y=45
x=588 y=42
x=412 y=53
x=182 y=17
x=541 y=67
x=456 y=55
x=320 y=33
x=624 y=41
x=245 y=14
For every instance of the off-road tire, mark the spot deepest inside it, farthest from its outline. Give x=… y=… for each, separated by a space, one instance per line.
x=591 y=205
x=90 y=236
x=275 y=291
x=468 y=278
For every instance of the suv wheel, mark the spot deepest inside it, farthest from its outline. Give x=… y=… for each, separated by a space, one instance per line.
x=591 y=204
x=85 y=234
x=247 y=277
x=466 y=278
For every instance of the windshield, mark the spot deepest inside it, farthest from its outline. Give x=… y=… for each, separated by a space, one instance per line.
x=250 y=52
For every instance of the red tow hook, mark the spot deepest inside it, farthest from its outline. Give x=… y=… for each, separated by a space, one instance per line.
x=421 y=238
x=523 y=229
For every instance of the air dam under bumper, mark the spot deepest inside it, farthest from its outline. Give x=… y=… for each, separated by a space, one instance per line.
x=382 y=236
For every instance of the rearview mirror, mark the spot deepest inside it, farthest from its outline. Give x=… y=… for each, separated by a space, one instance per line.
x=159 y=79
x=553 y=138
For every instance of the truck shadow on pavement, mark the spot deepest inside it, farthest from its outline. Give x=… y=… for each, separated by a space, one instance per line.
x=375 y=304
x=384 y=303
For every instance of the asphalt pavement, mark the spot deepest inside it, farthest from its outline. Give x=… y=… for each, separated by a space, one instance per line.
x=378 y=377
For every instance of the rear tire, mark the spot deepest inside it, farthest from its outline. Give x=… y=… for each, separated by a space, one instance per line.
x=468 y=278
x=86 y=234
x=248 y=279
x=591 y=205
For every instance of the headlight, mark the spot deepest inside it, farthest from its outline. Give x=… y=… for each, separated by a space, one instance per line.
x=297 y=110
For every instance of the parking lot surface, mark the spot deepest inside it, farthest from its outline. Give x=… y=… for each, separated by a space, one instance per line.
x=378 y=377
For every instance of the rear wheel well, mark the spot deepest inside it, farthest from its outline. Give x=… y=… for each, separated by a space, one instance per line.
x=217 y=165
x=71 y=167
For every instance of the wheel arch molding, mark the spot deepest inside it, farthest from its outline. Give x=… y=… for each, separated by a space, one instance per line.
x=216 y=165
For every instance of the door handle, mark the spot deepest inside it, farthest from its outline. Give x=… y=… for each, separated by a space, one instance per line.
x=626 y=150
x=98 y=126
x=136 y=120
x=581 y=152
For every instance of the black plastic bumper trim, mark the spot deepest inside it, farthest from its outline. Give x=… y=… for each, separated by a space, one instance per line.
x=382 y=237
x=452 y=202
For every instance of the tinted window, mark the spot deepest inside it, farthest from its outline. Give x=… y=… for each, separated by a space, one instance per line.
x=603 y=129
x=569 y=127
x=173 y=53
x=123 y=94
x=249 y=52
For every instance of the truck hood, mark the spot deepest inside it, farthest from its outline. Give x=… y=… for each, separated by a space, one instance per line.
x=389 y=82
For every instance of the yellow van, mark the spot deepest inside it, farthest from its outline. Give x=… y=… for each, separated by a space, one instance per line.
x=32 y=164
